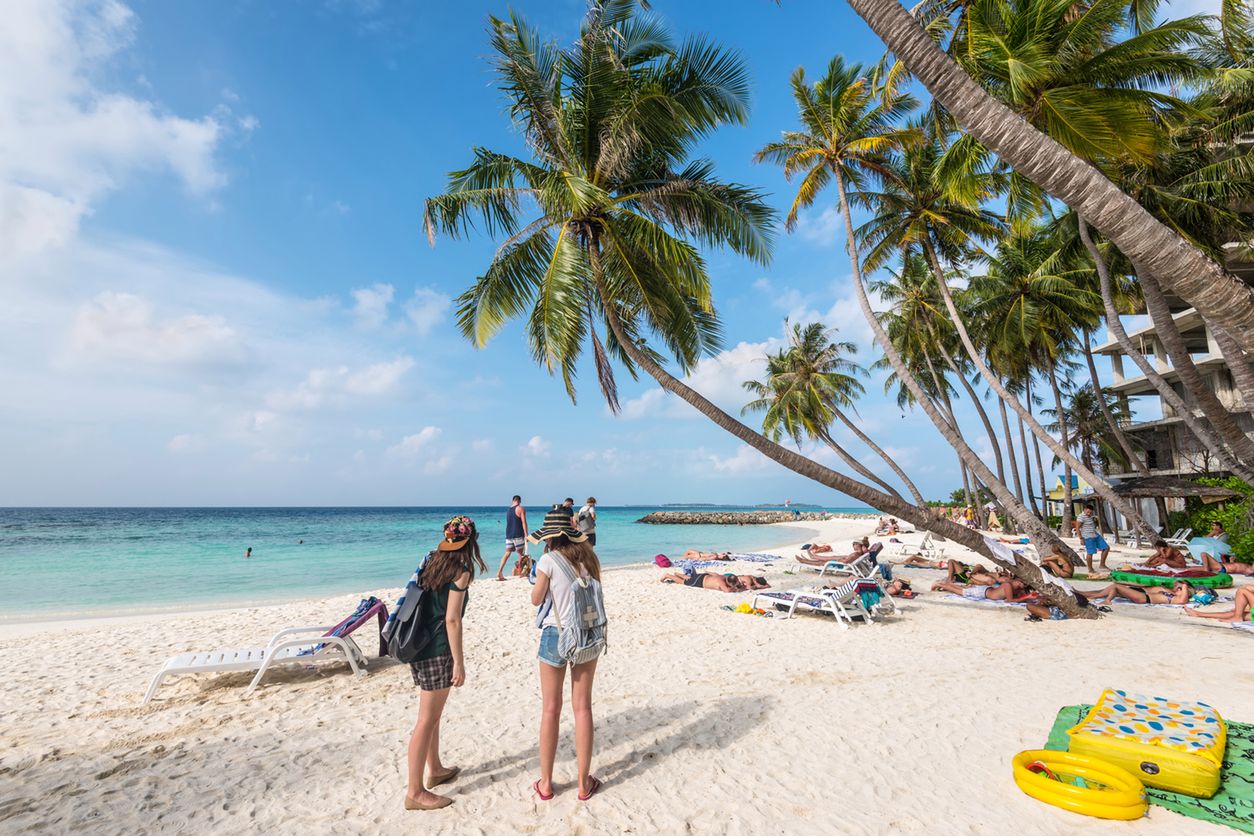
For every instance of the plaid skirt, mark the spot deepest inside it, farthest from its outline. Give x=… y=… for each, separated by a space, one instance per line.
x=433 y=674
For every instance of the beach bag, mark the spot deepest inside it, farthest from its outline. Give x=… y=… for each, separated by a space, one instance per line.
x=412 y=633
x=663 y=561
x=581 y=628
x=522 y=569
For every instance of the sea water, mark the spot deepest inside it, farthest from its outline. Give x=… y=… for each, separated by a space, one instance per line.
x=69 y=562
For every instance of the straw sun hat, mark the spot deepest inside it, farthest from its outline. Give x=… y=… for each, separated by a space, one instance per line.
x=557 y=521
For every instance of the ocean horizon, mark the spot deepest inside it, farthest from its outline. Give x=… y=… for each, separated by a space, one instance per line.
x=76 y=562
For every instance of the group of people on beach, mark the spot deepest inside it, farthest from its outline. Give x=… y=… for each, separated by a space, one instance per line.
x=584 y=520
x=568 y=561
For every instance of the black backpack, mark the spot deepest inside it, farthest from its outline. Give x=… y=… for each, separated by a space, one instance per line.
x=415 y=626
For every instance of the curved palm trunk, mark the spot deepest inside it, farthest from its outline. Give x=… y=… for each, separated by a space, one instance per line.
x=1201 y=432
x=1025 y=570
x=888 y=460
x=979 y=408
x=1010 y=449
x=1027 y=473
x=857 y=466
x=1218 y=415
x=1238 y=362
x=1220 y=296
x=1036 y=448
x=1036 y=531
x=1068 y=503
x=1099 y=485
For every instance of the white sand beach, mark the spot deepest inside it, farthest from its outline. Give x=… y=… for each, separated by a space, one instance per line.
x=707 y=721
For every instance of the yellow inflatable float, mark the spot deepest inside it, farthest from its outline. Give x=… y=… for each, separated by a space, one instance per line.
x=1080 y=784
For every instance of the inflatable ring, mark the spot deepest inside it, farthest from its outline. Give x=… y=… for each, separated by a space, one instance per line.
x=1121 y=795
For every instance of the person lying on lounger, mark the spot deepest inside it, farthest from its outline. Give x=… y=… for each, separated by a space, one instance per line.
x=1165 y=555
x=1133 y=594
x=693 y=554
x=1015 y=541
x=1006 y=590
x=1232 y=568
x=1057 y=563
x=705 y=580
x=956 y=571
x=815 y=557
x=922 y=562
x=1241 y=610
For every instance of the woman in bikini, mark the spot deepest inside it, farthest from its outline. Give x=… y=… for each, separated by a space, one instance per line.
x=1057 y=564
x=1166 y=556
x=1179 y=594
x=705 y=580
x=693 y=554
x=1242 y=610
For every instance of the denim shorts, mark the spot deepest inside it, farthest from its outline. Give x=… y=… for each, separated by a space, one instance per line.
x=548 y=648
x=1056 y=614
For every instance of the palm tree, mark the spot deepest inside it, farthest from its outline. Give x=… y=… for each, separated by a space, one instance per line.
x=610 y=125
x=849 y=126
x=1090 y=436
x=808 y=386
x=1221 y=297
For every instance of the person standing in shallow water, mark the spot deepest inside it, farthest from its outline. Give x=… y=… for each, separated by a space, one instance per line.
x=448 y=572
x=515 y=533
x=249 y=552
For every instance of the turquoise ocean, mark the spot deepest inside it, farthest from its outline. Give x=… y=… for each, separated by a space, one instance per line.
x=74 y=562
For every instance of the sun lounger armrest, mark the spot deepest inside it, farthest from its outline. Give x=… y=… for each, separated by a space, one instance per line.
x=291 y=631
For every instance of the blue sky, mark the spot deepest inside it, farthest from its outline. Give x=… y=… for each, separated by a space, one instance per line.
x=214 y=286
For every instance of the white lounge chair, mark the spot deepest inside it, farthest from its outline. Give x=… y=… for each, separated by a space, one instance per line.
x=1181 y=538
x=331 y=643
x=844 y=604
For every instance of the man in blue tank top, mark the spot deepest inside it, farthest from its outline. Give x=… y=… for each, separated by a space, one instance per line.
x=515 y=533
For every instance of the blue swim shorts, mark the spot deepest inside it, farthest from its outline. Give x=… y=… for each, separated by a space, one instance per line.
x=1093 y=545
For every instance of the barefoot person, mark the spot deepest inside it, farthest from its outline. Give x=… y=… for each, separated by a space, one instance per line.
x=1216 y=566
x=705 y=580
x=1094 y=543
x=1166 y=556
x=447 y=572
x=1180 y=593
x=1057 y=563
x=567 y=556
x=515 y=533
x=1242 y=610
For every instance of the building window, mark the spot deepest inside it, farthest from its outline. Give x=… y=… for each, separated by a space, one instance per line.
x=1151 y=459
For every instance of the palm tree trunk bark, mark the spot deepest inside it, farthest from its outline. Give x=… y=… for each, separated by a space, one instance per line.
x=979 y=408
x=1099 y=485
x=1036 y=531
x=1068 y=509
x=1165 y=327
x=1027 y=473
x=857 y=466
x=879 y=451
x=1121 y=437
x=1023 y=569
x=1239 y=364
x=1036 y=447
x=1220 y=296
x=1201 y=432
x=1010 y=449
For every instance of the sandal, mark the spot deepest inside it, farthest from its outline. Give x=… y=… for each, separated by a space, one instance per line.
x=1033 y=618
x=540 y=795
x=435 y=780
x=594 y=784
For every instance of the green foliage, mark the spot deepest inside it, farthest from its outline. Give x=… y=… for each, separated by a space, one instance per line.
x=981 y=497
x=1237 y=516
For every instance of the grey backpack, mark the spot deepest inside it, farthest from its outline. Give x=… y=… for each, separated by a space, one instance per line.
x=581 y=626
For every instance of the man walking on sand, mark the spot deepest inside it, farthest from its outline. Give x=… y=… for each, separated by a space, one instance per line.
x=515 y=533
x=1093 y=540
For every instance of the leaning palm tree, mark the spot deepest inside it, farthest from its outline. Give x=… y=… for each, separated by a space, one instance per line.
x=1220 y=296
x=809 y=386
x=850 y=124
x=620 y=208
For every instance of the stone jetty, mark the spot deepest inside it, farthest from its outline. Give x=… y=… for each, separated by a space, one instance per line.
x=736 y=517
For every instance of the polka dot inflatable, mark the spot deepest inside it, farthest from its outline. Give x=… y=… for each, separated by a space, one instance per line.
x=1170 y=744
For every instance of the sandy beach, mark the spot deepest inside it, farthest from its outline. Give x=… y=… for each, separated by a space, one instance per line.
x=707 y=721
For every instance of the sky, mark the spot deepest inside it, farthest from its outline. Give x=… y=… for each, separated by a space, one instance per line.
x=215 y=288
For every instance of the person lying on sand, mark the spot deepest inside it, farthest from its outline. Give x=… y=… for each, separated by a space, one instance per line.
x=956 y=570
x=1216 y=566
x=751 y=582
x=921 y=562
x=817 y=548
x=900 y=588
x=1133 y=594
x=1165 y=555
x=1006 y=590
x=705 y=580
x=1057 y=564
x=1015 y=541
x=693 y=554
x=1242 y=610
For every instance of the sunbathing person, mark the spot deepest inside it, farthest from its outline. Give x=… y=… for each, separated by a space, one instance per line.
x=1007 y=590
x=1058 y=564
x=693 y=554
x=817 y=557
x=900 y=588
x=1165 y=555
x=922 y=562
x=1232 y=568
x=817 y=548
x=705 y=580
x=751 y=582
x=1241 y=610
x=1180 y=593
x=1015 y=541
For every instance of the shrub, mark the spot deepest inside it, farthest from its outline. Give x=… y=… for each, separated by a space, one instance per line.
x=1236 y=516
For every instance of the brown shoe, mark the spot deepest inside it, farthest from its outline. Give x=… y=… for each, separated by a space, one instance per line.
x=434 y=781
x=441 y=802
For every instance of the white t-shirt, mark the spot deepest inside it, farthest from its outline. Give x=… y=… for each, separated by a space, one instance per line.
x=587 y=519
x=559 y=584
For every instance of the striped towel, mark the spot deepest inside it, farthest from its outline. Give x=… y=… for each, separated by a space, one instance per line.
x=409 y=588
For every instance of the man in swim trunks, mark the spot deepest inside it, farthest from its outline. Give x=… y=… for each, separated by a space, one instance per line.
x=1007 y=590
x=1242 y=610
x=515 y=533
x=705 y=580
x=1133 y=594
x=1094 y=543
x=1165 y=556
x=1232 y=568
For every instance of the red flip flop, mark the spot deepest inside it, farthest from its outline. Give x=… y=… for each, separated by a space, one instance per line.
x=594 y=785
x=540 y=795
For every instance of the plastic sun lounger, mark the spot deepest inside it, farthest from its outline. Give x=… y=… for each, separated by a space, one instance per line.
x=284 y=648
x=1181 y=538
x=843 y=604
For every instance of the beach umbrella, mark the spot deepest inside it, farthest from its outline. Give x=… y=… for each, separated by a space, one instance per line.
x=1211 y=545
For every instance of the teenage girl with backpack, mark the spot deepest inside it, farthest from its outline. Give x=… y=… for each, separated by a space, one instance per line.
x=554 y=581
x=448 y=572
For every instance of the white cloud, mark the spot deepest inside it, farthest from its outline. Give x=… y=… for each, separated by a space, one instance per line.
x=745 y=460
x=124 y=327
x=411 y=446
x=370 y=304
x=67 y=141
x=482 y=445
x=536 y=447
x=185 y=443
x=824 y=229
x=338 y=384
x=718 y=378
x=426 y=309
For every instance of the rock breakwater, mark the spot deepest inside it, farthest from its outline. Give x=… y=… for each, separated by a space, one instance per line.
x=736 y=517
